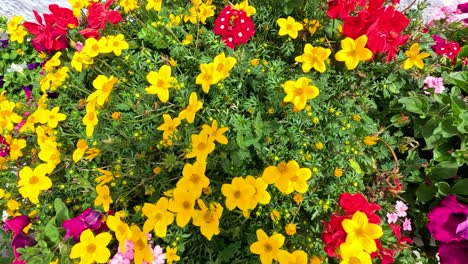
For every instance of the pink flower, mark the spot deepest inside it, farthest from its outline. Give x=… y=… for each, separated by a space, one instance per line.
x=392 y=218
x=88 y=219
x=158 y=256
x=434 y=82
x=407 y=225
x=400 y=208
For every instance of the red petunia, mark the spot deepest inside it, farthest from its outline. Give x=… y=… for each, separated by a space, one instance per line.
x=99 y=14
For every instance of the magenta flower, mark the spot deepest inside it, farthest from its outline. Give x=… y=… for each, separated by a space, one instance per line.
x=88 y=219
x=20 y=239
x=447 y=224
x=4 y=147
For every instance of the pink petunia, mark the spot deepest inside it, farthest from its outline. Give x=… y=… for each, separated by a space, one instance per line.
x=434 y=82
x=400 y=208
x=407 y=225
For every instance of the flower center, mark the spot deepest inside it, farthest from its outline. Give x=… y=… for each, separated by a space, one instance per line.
x=91 y=248
x=282 y=167
x=195 y=178
x=237 y=194
x=186 y=205
x=34 y=180
x=268 y=248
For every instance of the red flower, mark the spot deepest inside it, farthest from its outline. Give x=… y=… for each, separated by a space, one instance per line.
x=234 y=26
x=451 y=49
x=63 y=17
x=342 y=8
x=4 y=147
x=352 y=203
x=334 y=234
x=397 y=231
x=99 y=14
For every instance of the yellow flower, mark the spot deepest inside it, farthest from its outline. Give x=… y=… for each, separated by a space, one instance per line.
x=172 y=62
x=16 y=145
x=222 y=66
x=281 y=175
x=8 y=117
x=175 y=20
x=160 y=82
x=261 y=195
x=338 y=172
x=311 y=25
x=103 y=197
x=289 y=27
x=17 y=34
x=154 y=4
x=244 y=5
x=238 y=194
x=370 y=140
x=193 y=177
x=313 y=57
x=353 y=51
x=215 y=133
x=93 y=47
x=53 y=62
x=290 y=229
x=208 y=219
x=90 y=120
x=77 y=5
x=188 y=39
x=297 y=257
x=299 y=180
x=169 y=126
x=192 y=108
x=415 y=57
x=91 y=153
x=14 y=22
x=79 y=59
x=120 y=228
x=158 y=217
x=183 y=203
x=298 y=92
x=81 y=147
x=254 y=62
x=352 y=253
x=103 y=87
x=142 y=251
x=207 y=76
x=128 y=5
x=92 y=249
x=2 y=193
x=105 y=177
x=267 y=247
x=32 y=183
x=359 y=230
x=318 y=145
x=201 y=147
x=117 y=43
x=171 y=255
x=51 y=117
x=275 y=215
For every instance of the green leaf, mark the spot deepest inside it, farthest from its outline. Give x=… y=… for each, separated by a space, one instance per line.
x=425 y=192
x=463 y=126
x=61 y=211
x=443 y=170
x=443 y=188
x=457 y=102
x=415 y=105
x=228 y=252
x=51 y=231
x=447 y=128
x=460 y=79
x=460 y=187
x=355 y=166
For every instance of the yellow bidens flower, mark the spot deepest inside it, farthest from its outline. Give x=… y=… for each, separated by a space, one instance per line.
x=92 y=249
x=311 y=25
x=238 y=194
x=370 y=140
x=129 y=5
x=359 y=230
x=154 y=4
x=103 y=197
x=169 y=127
x=353 y=51
x=267 y=247
x=208 y=218
x=201 y=146
x=215 y=133
x=103 y=87
x=352 y=253
x=160 y=82
x=298 y=92
x=32 y=183
x=183 y=203
x=120 y=228
x=171 y=255
x=192 y=108
x=214 y=72
x=249 y=10
x=188 y=39
x=289 y=27
x=313 y=57
x=194 y=178
x=297 y=257
x=158 y=217
x=77 y=5
x=16 y=30
x=142 y=251
x=415 y=57
x=290 y=229
x=338 y=172
x=81 y=147
x=117 y=43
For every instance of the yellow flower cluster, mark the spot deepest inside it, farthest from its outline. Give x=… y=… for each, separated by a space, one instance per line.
x=200 y=11
x=214 y=72
x=288 y=177
x=16 y=30
x=77 y=5
x=53 y=79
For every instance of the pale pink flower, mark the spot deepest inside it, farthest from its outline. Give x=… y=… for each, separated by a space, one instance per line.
x=392 y=218
x=407 y=225
x=434 y=82
x=400 y=209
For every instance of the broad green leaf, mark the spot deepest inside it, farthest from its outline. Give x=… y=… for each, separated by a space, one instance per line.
x=443 y=170
x=425 y=192
x=460 y=187
x=414 y=105
x=443 y=188
x=51 y=231
x=61 y=211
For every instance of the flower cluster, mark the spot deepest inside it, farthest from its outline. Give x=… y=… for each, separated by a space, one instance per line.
x=235 y=25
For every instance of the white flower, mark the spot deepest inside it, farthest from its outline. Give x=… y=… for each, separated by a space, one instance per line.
x=17 y=67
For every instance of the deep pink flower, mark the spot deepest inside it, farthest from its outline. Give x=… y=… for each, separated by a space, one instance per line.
x=445 y=218
x=47 y=37
x=453 y=253
x=234 y=26
x=88 y=219
x=333 y=235
x=4 y=147
x=20 y=239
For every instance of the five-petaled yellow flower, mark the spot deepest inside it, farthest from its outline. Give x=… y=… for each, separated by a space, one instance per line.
x=103 y=197
x=103 y=87
x=352 y=253
x=192 y=108
x=296 y=257
x=361 y=231
x=215 y=133
x=183 y=204
x=289 y=27
x=298 y=92
x=415 y=57
x=92 y=249
x=158 y=217
x=238 y=194
x=208 y=218
x=267 y=247
x=313 y=57
x=160 y=82
x=171 y=255
x=353 y=51
x=169 y=127
x=201 y=146
x=32 y=182
x=154 y=4
x=194 y=178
